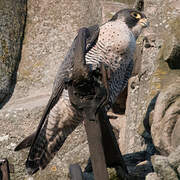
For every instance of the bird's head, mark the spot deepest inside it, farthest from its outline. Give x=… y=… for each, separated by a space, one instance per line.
x=134 y=19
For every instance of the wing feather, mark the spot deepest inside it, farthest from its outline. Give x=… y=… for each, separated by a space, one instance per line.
x=59 y=83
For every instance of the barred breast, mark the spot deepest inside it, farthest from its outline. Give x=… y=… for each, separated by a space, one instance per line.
x=115 y=48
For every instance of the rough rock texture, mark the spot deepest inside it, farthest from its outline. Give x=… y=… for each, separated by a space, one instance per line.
x=110 y=8
x=159 y=69
x=166 y=116
x=143 y=88
x=50 y=28
x=12 y=23
x=151 y=123
x=156 y=86
x=166 y=168
x=165 y=123
x=152 y=176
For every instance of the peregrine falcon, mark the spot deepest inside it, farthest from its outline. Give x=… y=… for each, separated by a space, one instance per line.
x=113 y=45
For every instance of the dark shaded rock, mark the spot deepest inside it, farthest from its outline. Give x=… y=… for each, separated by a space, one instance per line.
x=4 y=169
x=120 y=105
x=12 y=23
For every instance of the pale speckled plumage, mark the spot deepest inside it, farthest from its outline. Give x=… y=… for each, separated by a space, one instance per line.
x=117 y=53
x=115 y=48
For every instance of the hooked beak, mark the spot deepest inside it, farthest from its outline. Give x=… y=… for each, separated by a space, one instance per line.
x=144 y=22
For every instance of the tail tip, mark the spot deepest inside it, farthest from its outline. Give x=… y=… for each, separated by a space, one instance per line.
x=17 y=148
x=31 y=167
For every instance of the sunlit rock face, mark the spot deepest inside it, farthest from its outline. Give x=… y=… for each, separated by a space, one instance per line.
x=149 y=120
x=12 y=24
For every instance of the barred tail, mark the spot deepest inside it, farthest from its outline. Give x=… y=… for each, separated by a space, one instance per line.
x=59 y=124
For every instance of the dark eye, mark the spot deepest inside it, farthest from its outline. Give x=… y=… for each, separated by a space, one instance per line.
x=136 y=15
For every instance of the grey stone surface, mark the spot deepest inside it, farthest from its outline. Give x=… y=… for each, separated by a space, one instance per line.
x=163 y=169
x=12 y=22
x=50 y=28
x=167 y=76
x=152 y=176
x=167 y=167
x=165 y=125
x=174 y=158
x=155 y=75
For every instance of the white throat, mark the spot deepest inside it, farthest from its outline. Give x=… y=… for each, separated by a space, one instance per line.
x=136 y=30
